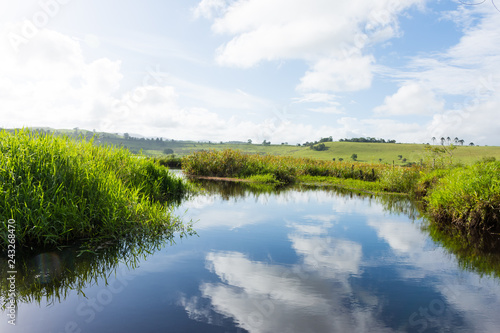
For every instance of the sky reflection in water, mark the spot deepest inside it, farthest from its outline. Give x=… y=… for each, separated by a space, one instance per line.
x=298 y=261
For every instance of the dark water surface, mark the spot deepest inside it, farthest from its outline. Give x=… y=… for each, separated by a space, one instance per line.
x=299 y=260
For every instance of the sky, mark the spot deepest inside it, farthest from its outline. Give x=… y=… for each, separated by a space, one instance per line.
x=276 y=70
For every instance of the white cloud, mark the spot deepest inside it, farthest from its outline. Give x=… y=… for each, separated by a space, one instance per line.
x=468 y=71
x=331 y=35
x=319 y=98
x=209 y=8
x=351 y=74
x=411 y=99
x=48 y=82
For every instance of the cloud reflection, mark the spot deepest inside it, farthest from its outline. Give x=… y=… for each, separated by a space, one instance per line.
x=313 y=295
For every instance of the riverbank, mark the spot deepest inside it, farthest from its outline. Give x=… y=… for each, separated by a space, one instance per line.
x=58 y=190
x=467 y=197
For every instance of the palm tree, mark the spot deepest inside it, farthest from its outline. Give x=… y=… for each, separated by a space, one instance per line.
x=448 y=139
x=433 y=140
x=461 y=142
x=442 y=140
x=455 y=140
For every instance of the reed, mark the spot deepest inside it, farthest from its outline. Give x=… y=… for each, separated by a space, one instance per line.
x=468 y=197
x=59 y=190
x=284 y=169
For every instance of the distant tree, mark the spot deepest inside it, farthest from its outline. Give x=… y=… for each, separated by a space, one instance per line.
x=442 y=140
x=461 y=141
x=380 y=160
x=318 y=147
x=471 y=144
x=448 y=139
x=455 y=140
x=400 y=156
x=168 y=151
x=341 y=159
x=354 y=157
x=126 y=136
x=433 y=140
x=298 y=144
x=404 y=160
x=333 y=159
x=249 y=141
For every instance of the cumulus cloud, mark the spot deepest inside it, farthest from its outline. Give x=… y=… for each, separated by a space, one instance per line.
x=331 y=36
x=209 y=8
x=411 y=99
x=351 y=74
x=49 y=82
x=468 y=72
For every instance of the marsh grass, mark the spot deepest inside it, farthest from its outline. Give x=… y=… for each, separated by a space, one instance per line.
x=284 y=169
x=59 y=190
x=469 y=197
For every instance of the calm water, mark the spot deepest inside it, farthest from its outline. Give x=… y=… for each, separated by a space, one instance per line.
x=302 y=260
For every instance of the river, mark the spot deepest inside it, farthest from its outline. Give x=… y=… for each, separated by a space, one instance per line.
x=295 y=260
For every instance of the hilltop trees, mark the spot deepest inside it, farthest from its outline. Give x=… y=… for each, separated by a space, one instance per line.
x=367 y=139
x=448 y=141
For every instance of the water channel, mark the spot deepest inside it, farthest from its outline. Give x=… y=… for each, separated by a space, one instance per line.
x=293 y=260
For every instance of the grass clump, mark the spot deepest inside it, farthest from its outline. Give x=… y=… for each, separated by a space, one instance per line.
x=469 y=197
x=59 y=190
x=400 y=179
x=285 y=169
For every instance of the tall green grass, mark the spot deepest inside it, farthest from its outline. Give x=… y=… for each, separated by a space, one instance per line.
x=285 y=169
x=469 y=197
x=58 y=190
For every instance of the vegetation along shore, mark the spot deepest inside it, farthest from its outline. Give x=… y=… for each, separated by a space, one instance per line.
x=466 y=196
x=59 y=190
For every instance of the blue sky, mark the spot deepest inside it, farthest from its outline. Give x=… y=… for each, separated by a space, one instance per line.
x=275 y=70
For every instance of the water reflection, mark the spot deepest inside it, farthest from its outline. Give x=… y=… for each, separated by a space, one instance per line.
x=375 y=273
x=475 y=252
x=299 y=260
x=49 y=277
